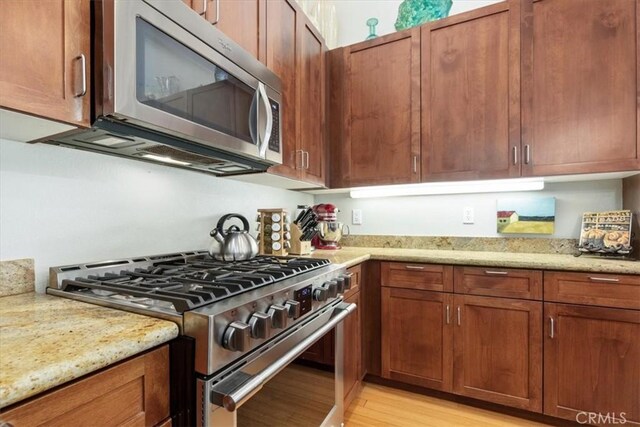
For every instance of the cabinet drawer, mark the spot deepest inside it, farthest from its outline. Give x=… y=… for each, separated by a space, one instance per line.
x=356 y=277
x=498 y=282
x=609 y=290
x=417 y=276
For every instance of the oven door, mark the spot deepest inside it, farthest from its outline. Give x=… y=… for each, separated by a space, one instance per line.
x=267 y=389
x=164 y=69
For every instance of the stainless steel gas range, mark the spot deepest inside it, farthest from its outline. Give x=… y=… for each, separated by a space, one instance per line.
x=246 y=322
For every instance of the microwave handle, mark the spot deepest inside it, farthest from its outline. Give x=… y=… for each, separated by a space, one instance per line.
x=233 y=399
x=264 y=144
x=253 y=118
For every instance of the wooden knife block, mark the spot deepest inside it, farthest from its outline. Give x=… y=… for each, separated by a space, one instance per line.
x=298 y=247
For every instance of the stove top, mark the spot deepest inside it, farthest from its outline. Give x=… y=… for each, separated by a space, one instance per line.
x=179 y=282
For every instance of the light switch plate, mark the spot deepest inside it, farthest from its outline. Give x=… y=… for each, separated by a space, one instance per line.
x=356 y=216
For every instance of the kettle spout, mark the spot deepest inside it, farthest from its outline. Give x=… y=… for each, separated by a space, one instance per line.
x=217 y=235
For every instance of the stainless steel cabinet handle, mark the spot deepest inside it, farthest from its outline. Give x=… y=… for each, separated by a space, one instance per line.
x=414 y=267
x=231 y=400
x=204 y=7
x=459 y=316
x=604 y=279
x=83 y=70
x=415 y=164
x=301 y=158
x=448 y=313
x=214 y=22
x=552 y=327
x=305 y=158
x=497 y=273
x=527 y=154
x=515 y=155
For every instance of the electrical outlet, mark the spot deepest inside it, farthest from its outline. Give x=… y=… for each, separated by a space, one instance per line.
x=467 y=215
x=356 y=216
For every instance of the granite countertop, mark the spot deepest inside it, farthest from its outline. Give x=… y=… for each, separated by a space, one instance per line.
x=354 y=255
x=46 y=341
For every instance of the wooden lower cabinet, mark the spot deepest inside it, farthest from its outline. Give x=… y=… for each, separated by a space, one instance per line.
x=131 y=393
x=592 y=363
x=417 y=337
x=497 y=347
x=352 y=351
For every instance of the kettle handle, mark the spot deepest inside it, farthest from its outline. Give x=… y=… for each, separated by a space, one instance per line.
x=224 y=218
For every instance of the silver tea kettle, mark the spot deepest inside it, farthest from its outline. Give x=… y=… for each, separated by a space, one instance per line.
x=232 y=244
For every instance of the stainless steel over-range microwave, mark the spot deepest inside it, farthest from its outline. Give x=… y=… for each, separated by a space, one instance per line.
x=169 y=87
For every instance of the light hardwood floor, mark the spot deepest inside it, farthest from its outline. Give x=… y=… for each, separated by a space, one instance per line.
x=377 y=405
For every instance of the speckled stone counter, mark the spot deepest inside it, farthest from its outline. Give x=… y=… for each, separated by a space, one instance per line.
x=46 y=341
x=351 y=256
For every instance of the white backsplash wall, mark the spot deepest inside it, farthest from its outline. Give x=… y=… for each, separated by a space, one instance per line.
x=63 y=206
x=442 y=215
x=352 y=16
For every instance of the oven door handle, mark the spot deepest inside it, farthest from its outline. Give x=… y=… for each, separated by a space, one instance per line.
x=233 y=399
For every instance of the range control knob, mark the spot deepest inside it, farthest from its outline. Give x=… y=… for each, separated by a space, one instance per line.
x=278 y=315
x=293 y=308
x=237 y=336
x=332 y=288
x=320 y=294
x=260 y=325
x=341 y=284
x=347 y=280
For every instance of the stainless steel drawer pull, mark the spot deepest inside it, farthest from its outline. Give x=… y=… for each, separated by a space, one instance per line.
x=204 y=7
x=498 y=273
x=459 y=316
x=414 y=267
x=448 y=313
x=604 y=279
x=552 y=327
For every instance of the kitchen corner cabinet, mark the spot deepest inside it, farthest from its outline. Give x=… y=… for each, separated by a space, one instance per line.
x=471 y=95
x=591 y=361
x=580 y=77
x=134 y=392
x=296 y=53
x=240 y=20
x=55 y=34
x=374 y=111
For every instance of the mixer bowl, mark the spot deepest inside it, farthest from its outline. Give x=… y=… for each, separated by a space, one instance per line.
x=332 y=231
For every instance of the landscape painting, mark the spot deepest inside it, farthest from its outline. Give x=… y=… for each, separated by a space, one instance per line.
x=526 y=216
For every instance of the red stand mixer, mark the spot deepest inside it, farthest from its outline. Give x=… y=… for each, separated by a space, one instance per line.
x=330 y=231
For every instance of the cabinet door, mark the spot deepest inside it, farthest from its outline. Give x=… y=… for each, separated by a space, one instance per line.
x=133 y=393
x=240 y=20
x=417 y=337
x=378 y=140
x=45 y=59
x=498 y=351
x=471 y=95
x=591 y=362
x=580 y=86
x=352 y=351
x=311 y=104
x=280 y=58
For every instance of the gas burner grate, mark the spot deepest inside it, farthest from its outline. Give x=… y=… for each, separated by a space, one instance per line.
x=193 y=281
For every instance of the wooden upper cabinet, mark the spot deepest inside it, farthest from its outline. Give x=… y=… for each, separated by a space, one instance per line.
x=471 y=95
x=375 y=111
x=498 y=351
x=416 y=337
x=311 y=107
x=45 y=62
x=281 y=28
x=241 y=20
x=580 y=86
x=592 y=362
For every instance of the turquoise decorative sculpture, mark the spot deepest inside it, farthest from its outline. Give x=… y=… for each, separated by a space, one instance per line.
x=371 y=23
x=416 y=12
